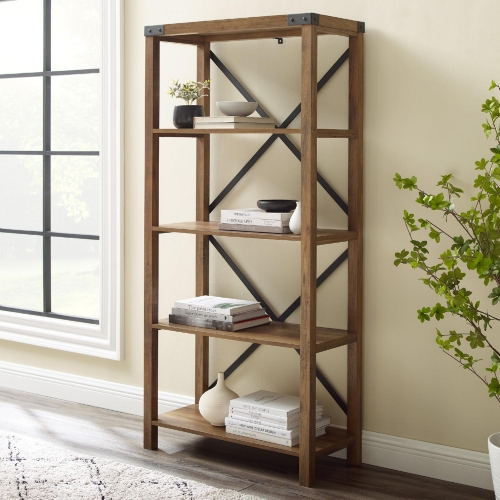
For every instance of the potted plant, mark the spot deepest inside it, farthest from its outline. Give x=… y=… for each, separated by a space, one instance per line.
x=472 y=244
x=188 y=92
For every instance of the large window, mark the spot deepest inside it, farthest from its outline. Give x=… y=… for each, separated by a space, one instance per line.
x=60 y=188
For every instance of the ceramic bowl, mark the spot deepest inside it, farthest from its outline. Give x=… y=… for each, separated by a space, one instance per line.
x=277 y=205
x=236 y=108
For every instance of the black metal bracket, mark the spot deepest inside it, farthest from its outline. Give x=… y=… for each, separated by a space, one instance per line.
x=153 y=30
x=361 y=27
x=301 y=19
x=280 y=41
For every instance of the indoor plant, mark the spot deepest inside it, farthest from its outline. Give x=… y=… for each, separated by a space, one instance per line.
x=472 y=240
x=188 y=92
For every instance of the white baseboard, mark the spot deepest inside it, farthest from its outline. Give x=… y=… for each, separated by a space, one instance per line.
x=402 y=454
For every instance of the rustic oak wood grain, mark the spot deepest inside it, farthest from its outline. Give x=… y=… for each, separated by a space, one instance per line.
x=324 y=236
x=308 y=244
x=276 y=333
x=151 y=211
x=355 y=261
x=202 y=215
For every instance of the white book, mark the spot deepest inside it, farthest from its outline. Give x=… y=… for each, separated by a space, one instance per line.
x=233 y=119
x=273 y=431
x=247 y=126
x=266 y=437
x=270 y=403
x=235 y=318
x=255 y=222
x=278 y=424
x=219 y=305
x=256 y=213
x=264 y=415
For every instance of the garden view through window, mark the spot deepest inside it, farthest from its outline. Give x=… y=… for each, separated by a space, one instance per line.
x=50 y=161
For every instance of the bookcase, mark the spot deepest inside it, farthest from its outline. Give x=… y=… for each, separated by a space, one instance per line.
x=305 y=337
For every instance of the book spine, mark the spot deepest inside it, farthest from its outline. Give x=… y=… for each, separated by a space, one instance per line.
x=263 y=429
x=206 y=309
x=286 y=424
x=225 y=326
x=256 y=214
x=218 y=317
x=262 y=437
x=254 y=229
x=255 y=222
x=263 y=410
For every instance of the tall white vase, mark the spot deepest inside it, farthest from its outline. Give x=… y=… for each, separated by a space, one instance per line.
x=214 y=404
x=295 y=220
x=494 y=449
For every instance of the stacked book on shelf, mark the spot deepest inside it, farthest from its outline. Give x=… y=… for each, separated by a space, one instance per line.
x=270 y=416
x=218 y=313
x=255 y=220
x=233 y=122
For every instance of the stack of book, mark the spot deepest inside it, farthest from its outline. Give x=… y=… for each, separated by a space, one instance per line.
x=255 y=220
x=218 y=313
x=270 y=416
x=233 y=122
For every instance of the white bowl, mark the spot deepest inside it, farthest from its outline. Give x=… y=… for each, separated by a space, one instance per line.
x=237 y=108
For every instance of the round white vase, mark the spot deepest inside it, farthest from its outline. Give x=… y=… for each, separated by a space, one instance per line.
x=295 y=220
x=494 y=451
x=214 y=404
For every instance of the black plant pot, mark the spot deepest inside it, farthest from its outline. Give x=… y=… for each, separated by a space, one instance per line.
x=184 y=115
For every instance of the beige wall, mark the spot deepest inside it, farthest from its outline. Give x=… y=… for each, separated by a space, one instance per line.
x=428 y=67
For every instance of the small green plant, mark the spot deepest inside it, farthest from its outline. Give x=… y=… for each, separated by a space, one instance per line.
x=473 y=243
x=190 y=91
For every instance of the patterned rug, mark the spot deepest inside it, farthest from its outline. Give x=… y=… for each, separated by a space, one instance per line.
x=31 y=470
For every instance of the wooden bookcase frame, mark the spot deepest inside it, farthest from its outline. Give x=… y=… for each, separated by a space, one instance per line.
x=307 y=337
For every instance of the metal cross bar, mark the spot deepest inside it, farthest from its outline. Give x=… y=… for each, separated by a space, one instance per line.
x=323 y=182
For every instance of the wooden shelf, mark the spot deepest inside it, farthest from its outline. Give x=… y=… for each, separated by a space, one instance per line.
x=324 y=236
x=188 y=419
x=323 y=133
x=276 y=333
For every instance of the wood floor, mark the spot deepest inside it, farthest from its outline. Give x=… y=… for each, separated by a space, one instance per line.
x=118 y=436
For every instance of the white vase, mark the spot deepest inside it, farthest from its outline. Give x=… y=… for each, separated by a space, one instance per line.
x=295 y=220
x=214 y=404
x=494 y=450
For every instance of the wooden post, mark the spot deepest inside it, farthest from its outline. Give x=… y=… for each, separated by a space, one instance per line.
x=151 y=243
x=355 y=266
x=309 y=127
x=202 y=214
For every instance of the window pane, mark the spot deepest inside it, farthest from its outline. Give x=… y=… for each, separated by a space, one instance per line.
x=76 y=194
x=76 y=112
x=21 y=113
x=75 y=277
x=76 y=34
x=21 y=192
x=21 y=271
x=21 y=52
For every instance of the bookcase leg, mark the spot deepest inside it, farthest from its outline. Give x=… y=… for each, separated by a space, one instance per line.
x=355 y=262
x=151 y=390
x=307 y=450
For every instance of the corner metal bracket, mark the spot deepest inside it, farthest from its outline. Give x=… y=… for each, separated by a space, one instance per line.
x=361 y=27
x=153 y=30
x=299 y=19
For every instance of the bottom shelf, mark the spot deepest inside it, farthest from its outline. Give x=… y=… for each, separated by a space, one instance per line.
x=188 y=419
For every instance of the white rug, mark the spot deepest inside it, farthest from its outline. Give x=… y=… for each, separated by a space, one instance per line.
x=31 y=470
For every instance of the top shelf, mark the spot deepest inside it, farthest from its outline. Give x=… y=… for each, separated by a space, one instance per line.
x=247 y=28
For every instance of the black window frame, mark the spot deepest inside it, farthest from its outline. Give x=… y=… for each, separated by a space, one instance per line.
x=46 y=233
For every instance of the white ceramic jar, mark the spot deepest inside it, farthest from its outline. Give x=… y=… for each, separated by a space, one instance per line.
x=214 y=404
x=295 y=220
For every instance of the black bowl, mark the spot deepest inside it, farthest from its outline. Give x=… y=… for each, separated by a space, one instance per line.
x=277 y=205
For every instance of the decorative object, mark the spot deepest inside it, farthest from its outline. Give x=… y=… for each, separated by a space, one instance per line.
x=237 y=108
x=494 y=451
x=214 y=404
x=295 y=221
x=188 y=92
x=277 y=205
x=184 y=115
x=41 y=471
x=475 y=247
